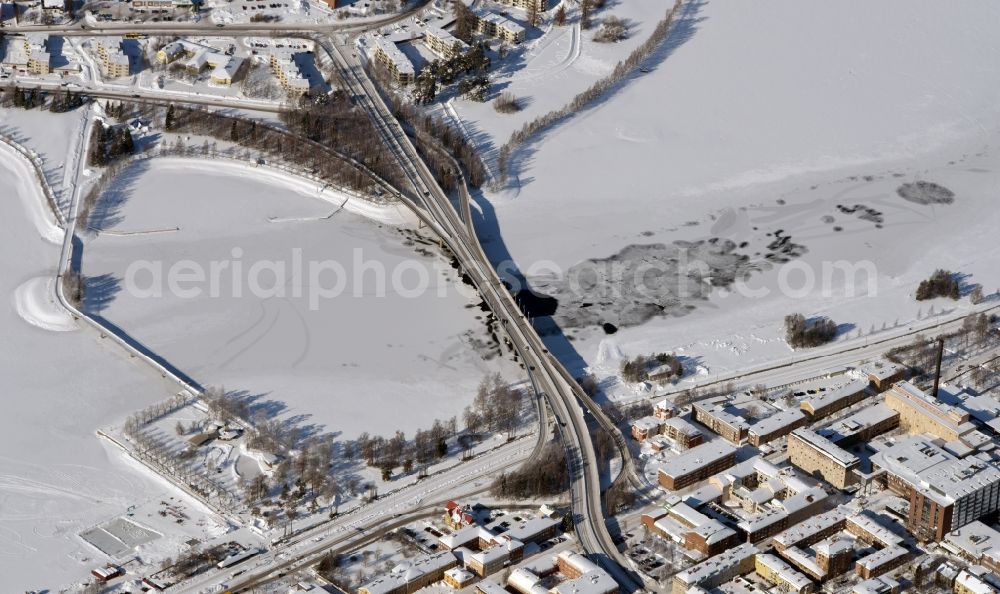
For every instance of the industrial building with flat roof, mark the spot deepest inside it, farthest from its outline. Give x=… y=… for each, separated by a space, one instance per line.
x=861 y=426
x=920 y=413
x=944 y=492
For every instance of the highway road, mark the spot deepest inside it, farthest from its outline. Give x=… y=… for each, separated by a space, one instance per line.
x=548 y=376
x=567 y=400
x=819 y=361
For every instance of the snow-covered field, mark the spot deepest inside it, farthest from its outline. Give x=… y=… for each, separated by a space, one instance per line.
x=759 y=121
x=365 y=361
x=61 y=384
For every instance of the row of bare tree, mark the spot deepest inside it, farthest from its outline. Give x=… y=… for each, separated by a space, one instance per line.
x=587 y=97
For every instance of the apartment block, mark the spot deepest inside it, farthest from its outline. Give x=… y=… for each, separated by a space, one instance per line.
x=27 y=54
x=976 y=543
x=778 y=572
x=777 y=425
x=392 y=59
x=811 y=530
x=881 y=375
x=696 y=464
x=696 y=531
x=114 y=61
x=407 y=579
x=861 y=426
x=539 y=5
x=723 y=420
x=646 y=427
x=492 y=24
x=443 y=43
x=827 y=403
x=287 y=71
x=716 y=570
x=683 y=433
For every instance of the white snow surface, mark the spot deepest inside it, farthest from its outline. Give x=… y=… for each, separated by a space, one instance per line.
x=358 y=363
x=56 y=477
x=746 y=104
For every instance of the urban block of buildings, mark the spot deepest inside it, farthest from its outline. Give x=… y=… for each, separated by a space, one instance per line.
x=199 y=57
x=27 y=54
x=944 y=492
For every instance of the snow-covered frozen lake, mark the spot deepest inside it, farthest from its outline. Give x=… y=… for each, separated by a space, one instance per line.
x=759 y=121
x=368 y=360
x=61 y=384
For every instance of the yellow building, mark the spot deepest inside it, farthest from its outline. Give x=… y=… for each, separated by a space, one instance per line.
x=170 y=52
x=539 y=5
x=287 y=72
x=443 y=43
x=27 y=54
x=113 y=60
x=969 y=583
x=504 y=29
x=919 y=413
x=398 y=65
x=781 y=574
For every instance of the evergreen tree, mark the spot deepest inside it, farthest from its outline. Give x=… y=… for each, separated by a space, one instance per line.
x=170 y=124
